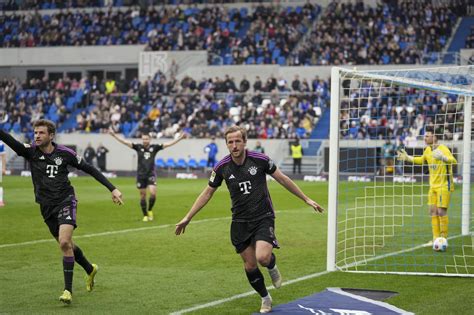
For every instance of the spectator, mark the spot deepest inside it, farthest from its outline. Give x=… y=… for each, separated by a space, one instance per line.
x=211 y=150
x=102 y=157
x=89 y=154
x=259 y=148
x=297 y=155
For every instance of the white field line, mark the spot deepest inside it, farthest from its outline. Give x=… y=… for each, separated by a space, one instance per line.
x=362 y=262
x=238 y=296
x=146 y=228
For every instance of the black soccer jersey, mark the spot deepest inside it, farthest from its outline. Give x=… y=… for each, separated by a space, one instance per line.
x=247 y=184
x=50 y=171
x=146 y=158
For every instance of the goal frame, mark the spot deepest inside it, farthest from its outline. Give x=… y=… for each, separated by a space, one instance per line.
x=334 y=158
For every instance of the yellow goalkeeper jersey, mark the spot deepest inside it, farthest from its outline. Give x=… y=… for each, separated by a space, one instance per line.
x=441 y=173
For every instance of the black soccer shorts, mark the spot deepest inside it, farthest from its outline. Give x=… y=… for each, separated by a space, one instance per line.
x=145 y=181
x=65 y=213
x=243 y=234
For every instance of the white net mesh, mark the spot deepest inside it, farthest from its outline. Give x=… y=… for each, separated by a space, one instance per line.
x=383 y=219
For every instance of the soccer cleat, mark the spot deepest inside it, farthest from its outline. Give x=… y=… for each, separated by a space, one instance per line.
x=276 y=277
x=66 y=297
x=145 y=219
x=266 y=304
x=150 y=215
x=90 y=278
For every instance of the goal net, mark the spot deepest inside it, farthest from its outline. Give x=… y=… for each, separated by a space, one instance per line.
x=379 y=219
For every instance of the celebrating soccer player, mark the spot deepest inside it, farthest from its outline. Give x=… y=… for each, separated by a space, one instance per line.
x=146 y=177
x=253 y=216
x=53 y=191
x=440 y=161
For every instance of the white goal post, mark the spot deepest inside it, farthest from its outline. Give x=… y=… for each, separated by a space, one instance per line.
x=378 y=218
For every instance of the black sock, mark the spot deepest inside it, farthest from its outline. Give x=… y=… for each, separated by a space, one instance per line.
x=68 y=269
x=143 y=205
x=151 y=203
x=257 y=281
x=272 y=263
x=82 y=260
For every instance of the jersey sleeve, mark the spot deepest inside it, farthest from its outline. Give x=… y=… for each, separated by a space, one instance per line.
x=420 y=159
x=21 y=149
x=270 y=166
x=135 y=146
x=216 y=178
x=158 y=147
x=79 y=163
x=447 y=153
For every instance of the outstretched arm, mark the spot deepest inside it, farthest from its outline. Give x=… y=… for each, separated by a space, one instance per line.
x=19 y=148
x=119 y=139
x=91 y=170
x=402 y=155
x=290 y=185
x=169 y=144
x=200 y=202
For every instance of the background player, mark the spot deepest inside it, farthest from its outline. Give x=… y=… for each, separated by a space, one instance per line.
x=253 y=216
x=146 y=177
x=440 y=161
x=53 y=191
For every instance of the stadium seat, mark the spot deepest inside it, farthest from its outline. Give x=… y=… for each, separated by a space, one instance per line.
x=170 y=163
x=181 y=163
x=160 y=163
x=202 y=163
x=282 y=61
x=192 y=163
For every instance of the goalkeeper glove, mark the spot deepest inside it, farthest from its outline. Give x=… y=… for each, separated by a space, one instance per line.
x=438 y=155
x=403 y=156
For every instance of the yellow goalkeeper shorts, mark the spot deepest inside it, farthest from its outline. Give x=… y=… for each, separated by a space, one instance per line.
x=439 y=197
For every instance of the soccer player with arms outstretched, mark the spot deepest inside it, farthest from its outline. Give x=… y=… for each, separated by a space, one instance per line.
x=253 y=216
x=146 y=176
x=440 y=164
x=53 y=191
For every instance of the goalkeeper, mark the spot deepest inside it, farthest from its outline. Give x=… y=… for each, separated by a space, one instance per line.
x=440 y=163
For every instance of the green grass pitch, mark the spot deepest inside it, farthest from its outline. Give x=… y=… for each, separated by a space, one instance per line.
x=145 y=268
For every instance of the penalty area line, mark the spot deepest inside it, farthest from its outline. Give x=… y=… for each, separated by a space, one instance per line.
x=145 y=228
x=241 y=295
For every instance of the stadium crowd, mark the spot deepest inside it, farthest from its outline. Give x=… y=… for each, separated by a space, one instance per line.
x=394 y=32
x=272 y=108
x=403 y=115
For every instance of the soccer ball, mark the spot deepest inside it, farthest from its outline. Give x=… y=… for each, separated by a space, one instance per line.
x=207 y=150
x=440 y=244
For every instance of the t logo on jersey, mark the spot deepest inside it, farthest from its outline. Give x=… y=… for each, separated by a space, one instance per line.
x=245 y=187
x=51 y=170
x=147 y=155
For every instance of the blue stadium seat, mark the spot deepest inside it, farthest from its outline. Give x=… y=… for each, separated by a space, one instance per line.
x=203 y=163
x=281 y=61
x=250 y=60
x=170 y=163
x=181 y=163
x=192 y=163
x=276 y=53
x=160 y=163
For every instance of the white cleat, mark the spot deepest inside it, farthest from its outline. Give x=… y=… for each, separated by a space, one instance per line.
x=276 y=277
x=266 y=304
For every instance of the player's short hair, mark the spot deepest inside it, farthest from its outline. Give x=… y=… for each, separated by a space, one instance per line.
x=232 y=129
x=45 y=123
x=429 y=129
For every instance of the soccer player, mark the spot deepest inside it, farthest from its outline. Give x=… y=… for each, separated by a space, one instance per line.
x=53 y=191
x=146 y=177
x=440 y=164
x=253 y=216
x=211 y=150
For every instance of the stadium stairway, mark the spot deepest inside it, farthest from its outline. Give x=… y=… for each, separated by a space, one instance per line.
x=459 y=38
x=320 y=132
x=71 y=122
